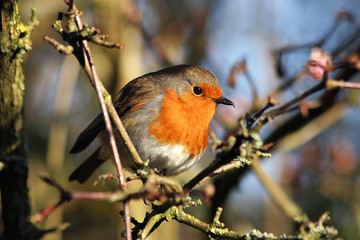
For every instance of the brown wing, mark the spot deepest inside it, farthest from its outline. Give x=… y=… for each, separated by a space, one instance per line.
x=89 y=134
x=132 y=97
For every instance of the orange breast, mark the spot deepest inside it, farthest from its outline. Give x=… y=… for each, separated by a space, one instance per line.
x=184 y=120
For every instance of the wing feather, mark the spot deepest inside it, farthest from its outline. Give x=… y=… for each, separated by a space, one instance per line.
x=132 y=97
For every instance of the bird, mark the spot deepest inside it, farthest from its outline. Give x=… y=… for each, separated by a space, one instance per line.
x=166 y=113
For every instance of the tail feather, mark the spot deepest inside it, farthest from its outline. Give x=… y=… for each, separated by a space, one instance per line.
x=87 y=168
x=89 y=134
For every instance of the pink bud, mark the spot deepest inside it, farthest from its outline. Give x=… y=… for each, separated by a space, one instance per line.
x=319 y=59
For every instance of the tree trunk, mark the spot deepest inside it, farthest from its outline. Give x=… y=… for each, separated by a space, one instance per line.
x=14 y=43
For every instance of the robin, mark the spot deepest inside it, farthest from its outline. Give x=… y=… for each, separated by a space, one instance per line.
x=166 y=114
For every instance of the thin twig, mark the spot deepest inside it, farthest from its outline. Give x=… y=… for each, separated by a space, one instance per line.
x=252 y=85
x=100 y=94
x=220 y=170
x=223 y=158
x=107 y=120
x=270 y=103
x=201 y=176
x=342 y=45
x=149 y=40
x=282 y=109
x=43 y=214
x=99 y=40
x=286 y=204
x=66 y=50
x=150 y=191
x=206 y=228
x=241 y=67
x=341 y=84
x=342 y=16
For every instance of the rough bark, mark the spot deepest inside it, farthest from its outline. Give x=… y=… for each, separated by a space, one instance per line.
x=14 y=43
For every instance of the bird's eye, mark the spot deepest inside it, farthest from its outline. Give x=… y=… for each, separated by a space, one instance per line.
x=197 y=90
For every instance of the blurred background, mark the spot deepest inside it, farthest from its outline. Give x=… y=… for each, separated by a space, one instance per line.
x=317 y=162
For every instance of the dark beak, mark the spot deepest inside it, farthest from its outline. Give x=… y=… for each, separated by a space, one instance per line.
x=222 y=100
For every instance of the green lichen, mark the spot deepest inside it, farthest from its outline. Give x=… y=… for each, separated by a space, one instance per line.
x=19 y=34
x=256 y=234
